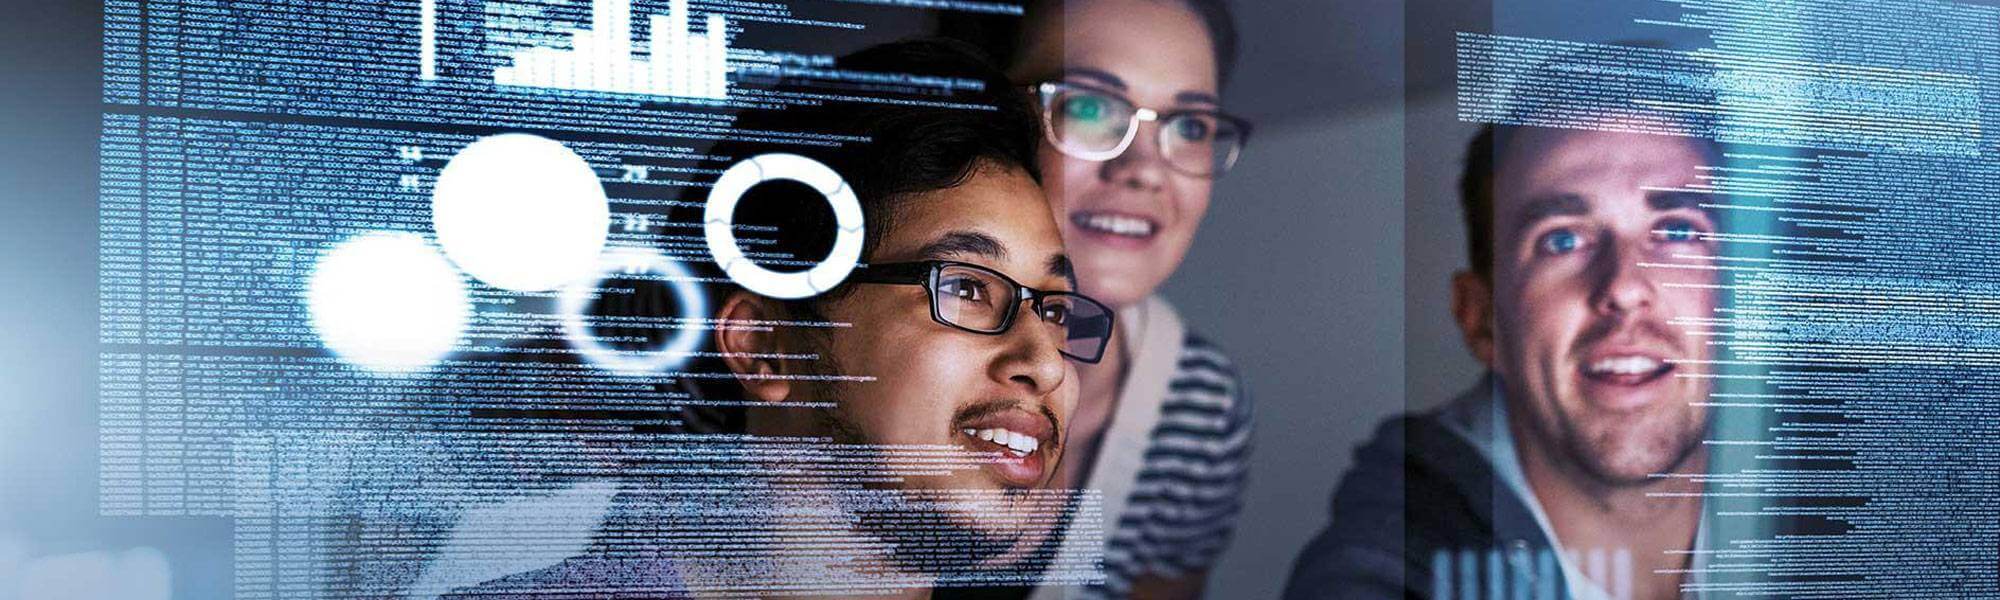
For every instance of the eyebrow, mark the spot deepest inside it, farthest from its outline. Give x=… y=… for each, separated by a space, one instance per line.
x=1060 y=266
x=1102 y=76
x=1197 y=98
x=1547 y=207
x=960 y=243
x=1664 y=200
x=1107 y=79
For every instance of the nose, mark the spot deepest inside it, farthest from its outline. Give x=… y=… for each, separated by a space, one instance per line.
x=1140 y=167
x=1623 y=286
x=1032 y=361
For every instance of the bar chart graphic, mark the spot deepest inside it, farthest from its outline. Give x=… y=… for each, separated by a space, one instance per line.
x=601 y=57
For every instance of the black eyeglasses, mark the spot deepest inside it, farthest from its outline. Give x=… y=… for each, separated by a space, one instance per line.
x=1097 y=124
x=973 y=298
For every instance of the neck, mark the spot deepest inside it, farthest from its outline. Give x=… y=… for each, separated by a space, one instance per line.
x=1098 y=386
x=1655 y=522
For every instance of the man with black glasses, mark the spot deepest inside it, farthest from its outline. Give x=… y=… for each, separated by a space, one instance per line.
x=903 y=426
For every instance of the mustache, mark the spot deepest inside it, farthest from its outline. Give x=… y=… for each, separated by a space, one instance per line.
x=1633 y=329
x=987 y=407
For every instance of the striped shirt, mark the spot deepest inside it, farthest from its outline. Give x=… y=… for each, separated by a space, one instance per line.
x=1183 y=507
x=1175 y=457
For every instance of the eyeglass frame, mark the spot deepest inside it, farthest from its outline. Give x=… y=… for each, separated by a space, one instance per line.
x=1045 y=92
x=925 y=273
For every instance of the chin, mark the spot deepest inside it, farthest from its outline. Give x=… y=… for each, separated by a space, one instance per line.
x=1629 y=453
x=1117 y=286
x=1010 y=547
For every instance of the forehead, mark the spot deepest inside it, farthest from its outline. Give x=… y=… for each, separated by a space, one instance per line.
x=1002 y=202
x=1159 y=48
x=1593 y=164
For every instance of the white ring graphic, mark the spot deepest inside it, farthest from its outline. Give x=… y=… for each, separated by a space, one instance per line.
x=694 y=308
x=720 y=216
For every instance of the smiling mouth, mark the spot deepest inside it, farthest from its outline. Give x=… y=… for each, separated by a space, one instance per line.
x=1009 y=442
x=1626 y=369
x=1115 y=224
x=1020 y=442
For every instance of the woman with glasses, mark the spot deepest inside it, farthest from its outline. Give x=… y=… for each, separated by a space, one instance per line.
x=1135 y=134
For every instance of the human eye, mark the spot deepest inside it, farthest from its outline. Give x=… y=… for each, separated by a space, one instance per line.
x=1086 y=107
x=1557 y=242
x=1679 y=231
x=1056 y=313
x=1193 y=128
x=964 y=288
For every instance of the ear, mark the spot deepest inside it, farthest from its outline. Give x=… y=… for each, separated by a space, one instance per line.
x=745 y=346
x=1472 y=307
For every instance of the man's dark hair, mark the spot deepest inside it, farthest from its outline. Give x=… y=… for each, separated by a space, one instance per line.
x=889 y=139
x=899 y=140
x=1002 y=36
x=1475 y=199
x=1577 y=91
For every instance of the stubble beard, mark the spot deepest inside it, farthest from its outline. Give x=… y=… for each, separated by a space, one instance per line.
x=922 y=535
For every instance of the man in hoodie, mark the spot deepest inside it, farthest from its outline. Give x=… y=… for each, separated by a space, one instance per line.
x=1569 y=471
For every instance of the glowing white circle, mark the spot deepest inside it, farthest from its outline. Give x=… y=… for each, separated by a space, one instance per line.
x=632 y=261
x=720 y=218
x=520 y=212
x=387 y=302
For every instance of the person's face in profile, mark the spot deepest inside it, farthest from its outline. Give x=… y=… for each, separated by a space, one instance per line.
x=934 y=385
x=1128 y=220
x=1601 y=271
x=936 y=382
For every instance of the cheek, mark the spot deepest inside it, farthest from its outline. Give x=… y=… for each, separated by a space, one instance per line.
x=1543 y=313
x=1190 y=198
x=1689 y=306
x=921 y=376
x=1066 y=397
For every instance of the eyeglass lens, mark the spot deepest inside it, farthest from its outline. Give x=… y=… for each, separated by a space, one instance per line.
x=973 y=298
x=1085 y=324
x=1092 y=122
x=1095 y=124
x=981 y=300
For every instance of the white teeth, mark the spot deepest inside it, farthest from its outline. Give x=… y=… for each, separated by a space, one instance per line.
x=1026 y=444
x=1022 y=444
x=1118 y=224
x=1625 y=365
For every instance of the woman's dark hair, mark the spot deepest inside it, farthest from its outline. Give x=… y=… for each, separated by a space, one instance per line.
x=1002 y=36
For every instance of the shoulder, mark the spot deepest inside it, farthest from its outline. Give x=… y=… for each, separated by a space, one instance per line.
x=1389 y=514
x=1416 y=489
x=1419 y=465
x=1205 y=377
x=1206 y=415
